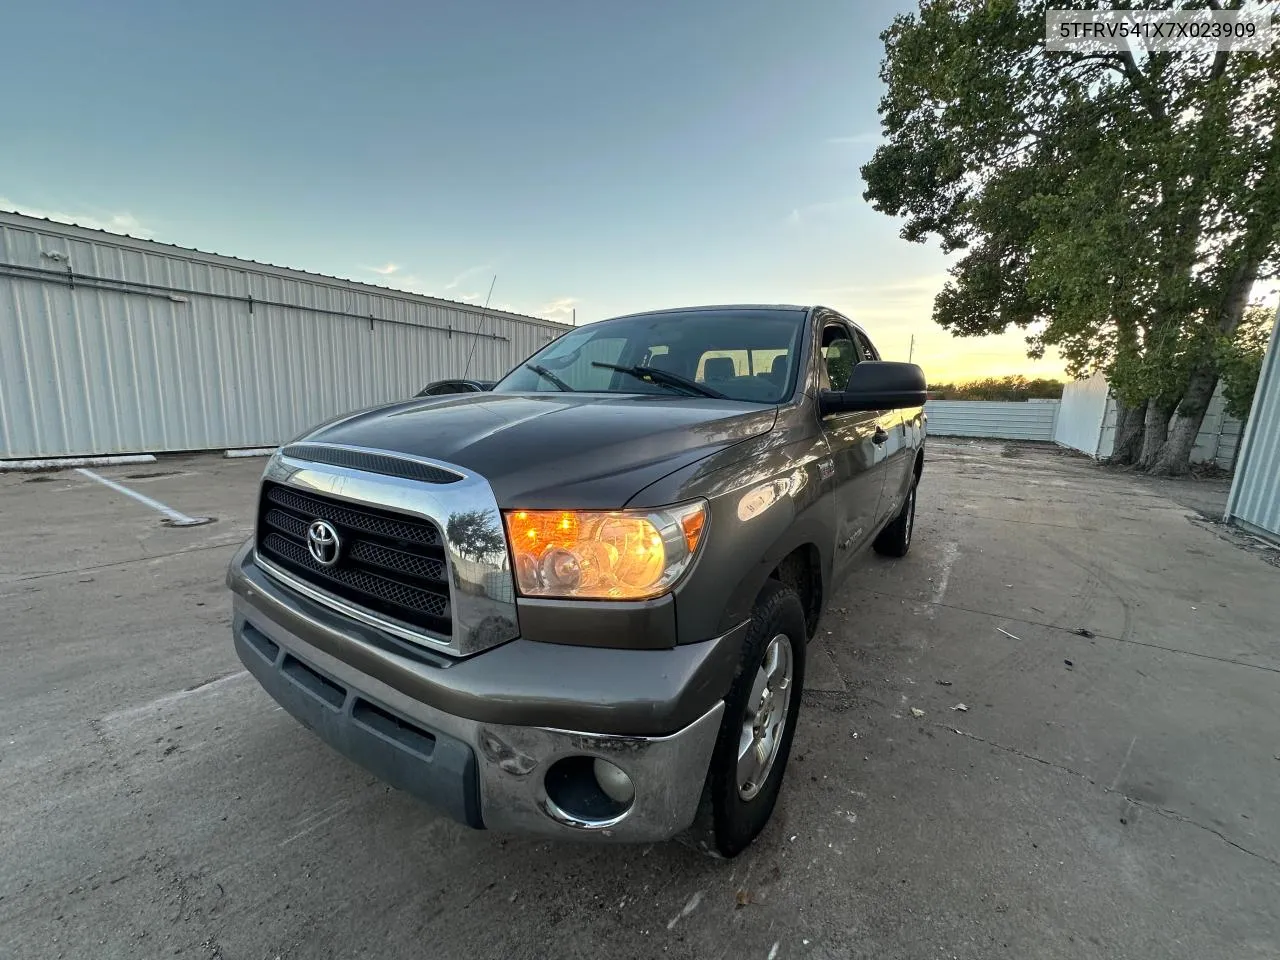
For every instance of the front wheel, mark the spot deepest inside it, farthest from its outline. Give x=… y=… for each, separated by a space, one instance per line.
x=755 y=737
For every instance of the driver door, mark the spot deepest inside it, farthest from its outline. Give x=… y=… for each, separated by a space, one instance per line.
x=856 y=450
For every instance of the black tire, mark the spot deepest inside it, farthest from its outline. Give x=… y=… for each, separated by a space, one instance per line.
x=895 y=539
x=727 y=822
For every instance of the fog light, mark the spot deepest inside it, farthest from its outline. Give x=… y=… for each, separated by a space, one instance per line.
x=616 y=784
x=587 y=793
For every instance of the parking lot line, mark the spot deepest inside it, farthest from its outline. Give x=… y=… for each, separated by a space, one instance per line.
x=175 y=518
x=217 y=685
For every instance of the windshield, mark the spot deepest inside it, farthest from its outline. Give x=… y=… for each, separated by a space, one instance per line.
x=745 y=354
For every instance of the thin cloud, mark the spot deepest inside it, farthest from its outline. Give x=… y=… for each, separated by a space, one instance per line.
x=385 y=270
x=111 y=222
x=909 y=288
x=561 y=308
x=823 y=208
x=465 y=275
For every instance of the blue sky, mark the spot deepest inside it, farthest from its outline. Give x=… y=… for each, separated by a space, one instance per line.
x=598 y=156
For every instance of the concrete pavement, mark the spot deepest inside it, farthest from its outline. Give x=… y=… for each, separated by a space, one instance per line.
x=1112 y=790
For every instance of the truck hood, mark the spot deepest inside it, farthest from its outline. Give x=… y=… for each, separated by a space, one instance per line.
x=561 y=450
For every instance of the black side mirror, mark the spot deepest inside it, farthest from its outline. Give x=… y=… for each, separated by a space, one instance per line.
x=878 y=385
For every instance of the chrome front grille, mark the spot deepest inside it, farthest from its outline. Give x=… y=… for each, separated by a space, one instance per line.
x=372 y=521
x=386 y=563
x=422 y=551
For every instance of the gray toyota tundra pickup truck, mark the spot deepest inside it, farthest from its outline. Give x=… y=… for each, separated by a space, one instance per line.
x=578 y=604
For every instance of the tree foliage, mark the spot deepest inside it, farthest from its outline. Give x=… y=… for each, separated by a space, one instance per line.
x=476 y=533
x=1240 y=359
x=1116 y=207
x=999 y=388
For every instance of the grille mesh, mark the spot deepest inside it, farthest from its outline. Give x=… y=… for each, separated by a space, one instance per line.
x=370 y=553
x=376 y=524
x=287 y=522
x=392 y=591
x=387 y=563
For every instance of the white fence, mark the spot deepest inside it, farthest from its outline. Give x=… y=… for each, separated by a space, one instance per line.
x=1087 y=422
x=1028 y=420
x=1082 y=414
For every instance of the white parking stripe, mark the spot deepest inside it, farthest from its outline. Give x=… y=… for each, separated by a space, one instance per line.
x=176 y=518
x=146 y=709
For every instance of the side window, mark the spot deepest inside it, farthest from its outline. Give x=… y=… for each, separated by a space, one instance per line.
x=838 y=355
x=865 y=349
x=441 y=388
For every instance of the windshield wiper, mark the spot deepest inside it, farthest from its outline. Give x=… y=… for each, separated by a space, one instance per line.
x=658 y=375
x=544 y=372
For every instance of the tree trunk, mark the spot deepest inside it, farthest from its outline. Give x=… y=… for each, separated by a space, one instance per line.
x=1155 y=431
x=1174 y=458
x=1128 y=443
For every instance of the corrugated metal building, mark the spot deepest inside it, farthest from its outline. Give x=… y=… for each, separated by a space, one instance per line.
x=112 y=345
x=1254 y=501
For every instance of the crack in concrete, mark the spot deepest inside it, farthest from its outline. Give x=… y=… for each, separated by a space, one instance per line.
x=166 y=867
x=1071 y=631
x=122 y=563
x=1159 y=811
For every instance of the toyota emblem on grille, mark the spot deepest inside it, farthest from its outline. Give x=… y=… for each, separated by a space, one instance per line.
x=323 y=543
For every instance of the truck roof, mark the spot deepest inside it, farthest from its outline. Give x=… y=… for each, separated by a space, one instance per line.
x=716 y=307
x=727 y=307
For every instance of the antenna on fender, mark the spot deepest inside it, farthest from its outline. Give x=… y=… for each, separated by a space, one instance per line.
x=479 y=327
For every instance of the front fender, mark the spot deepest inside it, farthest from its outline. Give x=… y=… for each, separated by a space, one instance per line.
x=761 y=509
x=814 y=529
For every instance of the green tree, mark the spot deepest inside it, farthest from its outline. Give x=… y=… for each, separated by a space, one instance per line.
x=1115 y=207
x=1240 y=359
x=476 y=533
x=999 y=388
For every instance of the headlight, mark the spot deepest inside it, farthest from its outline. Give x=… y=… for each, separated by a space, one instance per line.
x=603 y=555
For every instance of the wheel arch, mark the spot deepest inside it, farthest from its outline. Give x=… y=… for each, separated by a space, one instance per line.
x=798 y=559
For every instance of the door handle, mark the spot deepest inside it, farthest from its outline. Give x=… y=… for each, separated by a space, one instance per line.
x=879 y=436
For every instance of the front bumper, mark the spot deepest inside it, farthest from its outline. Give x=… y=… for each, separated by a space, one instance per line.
x=475 y=737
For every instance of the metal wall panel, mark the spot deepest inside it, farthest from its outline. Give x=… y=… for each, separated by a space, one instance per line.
x=174 y=349
x=1082 y=413
x=1107 y=441
x=1254 y=501
x=1228 y=442
x=985 y=418
x=1208 y=440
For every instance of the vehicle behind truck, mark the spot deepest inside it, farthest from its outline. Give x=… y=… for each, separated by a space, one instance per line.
x=578 y=604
